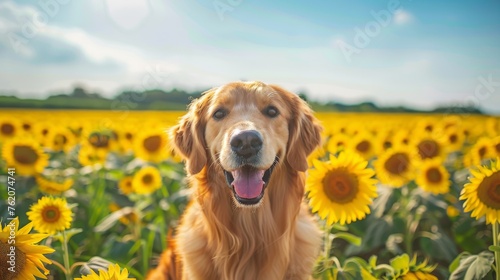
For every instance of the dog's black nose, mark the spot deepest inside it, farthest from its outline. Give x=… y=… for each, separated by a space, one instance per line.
x=246 y=143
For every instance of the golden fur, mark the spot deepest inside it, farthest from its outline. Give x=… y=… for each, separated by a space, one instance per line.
x=219 y=238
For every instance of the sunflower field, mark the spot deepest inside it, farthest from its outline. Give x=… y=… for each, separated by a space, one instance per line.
x=94 y=194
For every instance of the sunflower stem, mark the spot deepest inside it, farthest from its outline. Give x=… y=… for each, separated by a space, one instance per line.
x=67 y=271
x=328 y=242
x=497 y=254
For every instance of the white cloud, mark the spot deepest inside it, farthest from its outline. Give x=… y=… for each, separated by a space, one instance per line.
x=69 y=54
x=402 y=17
x=128 y=14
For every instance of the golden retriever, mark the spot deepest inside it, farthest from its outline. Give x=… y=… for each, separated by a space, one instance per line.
x=245 y=145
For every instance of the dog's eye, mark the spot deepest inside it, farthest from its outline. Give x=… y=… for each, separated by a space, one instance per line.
x=271 y=111
x=220 y=114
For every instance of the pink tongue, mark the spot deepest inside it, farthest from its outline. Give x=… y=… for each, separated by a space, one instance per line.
x=248 y=183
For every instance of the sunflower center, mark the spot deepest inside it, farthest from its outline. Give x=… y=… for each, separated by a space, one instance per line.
x=26 y=126
x=363 y=146
x=497 y=148
x=51 y=214
x=128 y=136
x=397 y=164
x=340 y=186
x=6 y=255
x=152 y=143
x=45 y=131
x=7 y=129
x=482 y=151
x=428 y=149
x=489 y=191
x=99 y=140
x=453 y=138
x=147 y=179
x=434 y=175
x=428 y=128
x=387 y=144
x=25 y=154
x=60 y=139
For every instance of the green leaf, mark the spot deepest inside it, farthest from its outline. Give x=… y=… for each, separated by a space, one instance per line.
x=112 y=218
x=379 y=230
x=69 y=233
x=494 y=248
x=373 y=261
x=474 y=267
x=401 y=264
x=351 y=238
x=456 y=262
x=340 y=227
x=438 y=245
x=358 y=261
x=384 y=200
x=350 y=271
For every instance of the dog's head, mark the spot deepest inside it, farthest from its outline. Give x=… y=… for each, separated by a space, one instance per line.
x=247 y=128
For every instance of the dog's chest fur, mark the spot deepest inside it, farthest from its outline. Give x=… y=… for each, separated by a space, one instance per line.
x=246 y=243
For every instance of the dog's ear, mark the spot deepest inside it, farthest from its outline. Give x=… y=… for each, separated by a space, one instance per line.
x=304 y=131
x=188 y=137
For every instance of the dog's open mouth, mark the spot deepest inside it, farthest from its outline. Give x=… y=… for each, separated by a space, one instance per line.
x=248 y=183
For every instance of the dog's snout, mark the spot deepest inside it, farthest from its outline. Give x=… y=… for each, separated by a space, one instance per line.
x=246 y=143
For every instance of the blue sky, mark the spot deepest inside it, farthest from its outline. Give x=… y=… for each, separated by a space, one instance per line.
x=414 y=53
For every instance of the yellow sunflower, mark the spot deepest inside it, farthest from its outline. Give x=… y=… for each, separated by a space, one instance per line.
x=482 y=193
x=401 y=138
x=426 y=125
x=25 y=155
x=9 y=128
x=433 y=177
x=363 y=144
x=126 y=139
x=53 y=187
x=429 y=146
x=420 y=271
x=60 y=139
x=493 y=126
x=337 y=143
x=341 y=189
x=455 y=138
x=29 y=257
x=114 y=272
x=146 y=180
x=27 y=125
x=125 y=185
x=453 y=121
x=384 y=141
x=102 y=140
x=496 y=146
x=42 y=131
x=89 y=155
x=482 y=150
x=151 y=146
x=316 y=154
x=418 y=275
x=50 y=215
x=395 y=167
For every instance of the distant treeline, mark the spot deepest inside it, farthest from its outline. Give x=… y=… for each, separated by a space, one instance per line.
x=176 y=99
